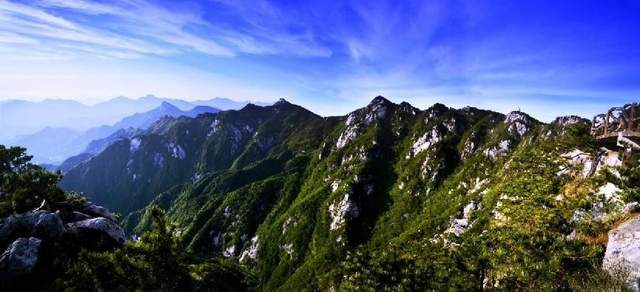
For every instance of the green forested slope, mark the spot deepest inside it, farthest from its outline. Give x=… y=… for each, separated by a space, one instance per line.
x=388 y=197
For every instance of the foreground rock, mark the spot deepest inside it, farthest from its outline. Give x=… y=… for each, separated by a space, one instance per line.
x=40 y=224
x=97 y=211
x=622 y=257
x=101 y=224
x=20 y=257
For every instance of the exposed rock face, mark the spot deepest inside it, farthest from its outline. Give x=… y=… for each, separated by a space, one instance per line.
x=519 y=123
x=339 y=211
x=376 y=111
x=107 y=226
x=429 y=139
x=459 y=226
x=623 y=251
x=252 y=251
x=499 y=150
x=20 y=257
x=41 y=224
x=569 y=120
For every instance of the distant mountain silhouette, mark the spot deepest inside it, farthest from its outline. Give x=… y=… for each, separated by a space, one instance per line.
x=54 y=145
x=19 y=117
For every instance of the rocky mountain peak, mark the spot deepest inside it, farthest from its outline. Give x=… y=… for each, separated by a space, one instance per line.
x=408 y=108
x=515 y=116
x=281 y=101
x=379 y=101
x=569 y=120
x=519 y=123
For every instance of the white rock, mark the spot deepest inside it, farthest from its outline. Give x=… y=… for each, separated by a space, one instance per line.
x=134 y=144
x=229 y=251
x=176 y=151
x=623 y=251
x=576 y=158
x=520 y=128
x=350 y=119
x=288 y=248
x=499 y=150
x=334 y=185
x=479 y=184
x=347 y=136
x=567 y=120
x=339 y=210
x=468 y=149
x=516 y=116
x=609 y=191
x=466 y=212
x=285 y=225
x=427 y=140
x=460 y=225
x=214 y=127
x=611 y=159
x=252 y=251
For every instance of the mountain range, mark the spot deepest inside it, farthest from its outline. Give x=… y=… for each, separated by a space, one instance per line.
x=60 y=113
x=54 y=145
x=388 y=197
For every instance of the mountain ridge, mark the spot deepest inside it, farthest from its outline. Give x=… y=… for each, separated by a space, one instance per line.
x=305 y=201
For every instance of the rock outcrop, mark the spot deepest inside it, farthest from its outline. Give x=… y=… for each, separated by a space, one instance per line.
x=101 y=224
x=622 y=257
x=22 y=236
x=20 y=257
x=40 y=224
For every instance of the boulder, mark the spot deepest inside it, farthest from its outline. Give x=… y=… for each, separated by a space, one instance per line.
x=20 y=257
x=97 y=211
x=41 y=224
x=74 y=216
x=622 y=257
x=106 y=226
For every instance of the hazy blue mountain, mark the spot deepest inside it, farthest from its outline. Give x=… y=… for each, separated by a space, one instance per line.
x=70 y=162
x=19 y=117
x=53 y=145
x=96 y=146
x=47 y=113
x=226 y=104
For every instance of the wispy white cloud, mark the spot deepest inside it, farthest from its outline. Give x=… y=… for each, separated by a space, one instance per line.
x=13 y=38
x=139 y=27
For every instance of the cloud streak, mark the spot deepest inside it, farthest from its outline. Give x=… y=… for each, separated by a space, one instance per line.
x=134 y=28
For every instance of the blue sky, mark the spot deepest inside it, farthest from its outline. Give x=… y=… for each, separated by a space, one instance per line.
x=547 y=58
